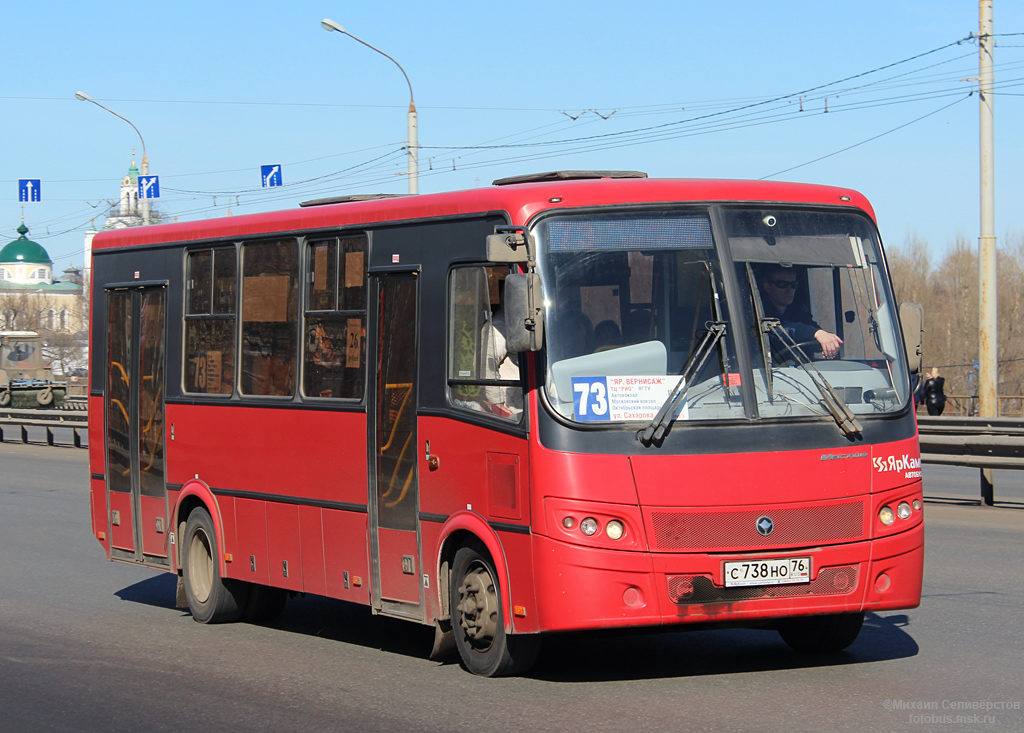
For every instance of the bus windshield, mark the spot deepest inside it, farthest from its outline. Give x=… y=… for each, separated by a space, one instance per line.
x=818 y=300
x=630 y=301
x=637 y=317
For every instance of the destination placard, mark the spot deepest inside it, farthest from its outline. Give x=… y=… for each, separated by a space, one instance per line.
x=622 y=398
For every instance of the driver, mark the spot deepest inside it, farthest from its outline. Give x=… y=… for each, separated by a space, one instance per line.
x=778 y=289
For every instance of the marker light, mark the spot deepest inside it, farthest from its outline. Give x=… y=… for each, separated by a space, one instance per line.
x=903 y=510
x=614 y=530
x=589 y=526
x=886 y=515
x=917 y=505
x=569 y=522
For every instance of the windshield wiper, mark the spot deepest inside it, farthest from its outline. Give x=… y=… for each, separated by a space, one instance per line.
x=656 y=430
x=842 y=414
x=764 y=326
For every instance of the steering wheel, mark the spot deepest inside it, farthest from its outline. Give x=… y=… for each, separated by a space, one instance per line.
x=810 y=347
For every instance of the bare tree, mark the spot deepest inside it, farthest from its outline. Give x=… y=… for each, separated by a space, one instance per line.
x=948 y=292
x=910 y=267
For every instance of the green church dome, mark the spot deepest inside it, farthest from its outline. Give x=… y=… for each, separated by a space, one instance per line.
x=25 y=250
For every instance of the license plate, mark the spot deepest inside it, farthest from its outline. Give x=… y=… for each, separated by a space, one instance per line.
x=768 y=572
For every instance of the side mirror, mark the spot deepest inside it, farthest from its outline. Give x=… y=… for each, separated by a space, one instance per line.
x=524 y=322
x=507 y=247
x=912 y=320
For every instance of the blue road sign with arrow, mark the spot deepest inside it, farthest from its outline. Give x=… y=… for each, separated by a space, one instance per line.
x=149 y=187
x=29 y=189
x=271 y=175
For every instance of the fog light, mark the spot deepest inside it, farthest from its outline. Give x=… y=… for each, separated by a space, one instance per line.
x=903 y=510
x=886 y=515
x=917 y=505
x=882 y=583
x=614 y=530
x=569 y=522
x=589 y=526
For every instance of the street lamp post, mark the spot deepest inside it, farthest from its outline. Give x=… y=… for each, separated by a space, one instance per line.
x=144 y=203
x=414 y=170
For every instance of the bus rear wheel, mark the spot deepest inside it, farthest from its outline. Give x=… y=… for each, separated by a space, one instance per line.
x=822 y=633
x=211 y=599
x=478 y=621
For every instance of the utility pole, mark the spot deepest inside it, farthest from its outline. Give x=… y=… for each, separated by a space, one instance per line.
x=988 y=400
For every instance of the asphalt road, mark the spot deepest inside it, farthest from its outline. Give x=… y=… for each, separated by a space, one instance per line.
x=88 y=645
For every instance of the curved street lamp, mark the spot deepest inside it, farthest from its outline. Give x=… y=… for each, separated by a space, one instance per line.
x=144 y=203
x=414 y=172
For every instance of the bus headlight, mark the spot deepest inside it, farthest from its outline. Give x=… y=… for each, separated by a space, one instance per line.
x=886 y=515
x=589 y=526
x=903 y=510
x=614 y=530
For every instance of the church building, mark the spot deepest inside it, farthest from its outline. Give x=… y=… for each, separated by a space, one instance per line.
x=31 y=298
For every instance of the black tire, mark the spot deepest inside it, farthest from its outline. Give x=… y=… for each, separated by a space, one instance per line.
x=478 y=621
x=822 y=633
x=265 y=604
x=211 y=599
x=45 y=397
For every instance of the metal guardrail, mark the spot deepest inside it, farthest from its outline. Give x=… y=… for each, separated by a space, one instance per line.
x=74 y=419
x=978 y=442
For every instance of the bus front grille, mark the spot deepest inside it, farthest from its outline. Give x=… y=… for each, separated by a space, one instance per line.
x=727 y=530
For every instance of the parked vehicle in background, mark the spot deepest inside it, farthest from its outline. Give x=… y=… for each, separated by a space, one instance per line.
x=25 y=381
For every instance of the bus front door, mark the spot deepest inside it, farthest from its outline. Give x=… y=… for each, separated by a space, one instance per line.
x=394 y=481
x=136 y=488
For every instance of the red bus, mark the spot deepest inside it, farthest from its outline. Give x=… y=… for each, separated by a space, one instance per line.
x=570 y=401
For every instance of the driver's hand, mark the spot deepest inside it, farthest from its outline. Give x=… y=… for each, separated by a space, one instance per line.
x=830 y=343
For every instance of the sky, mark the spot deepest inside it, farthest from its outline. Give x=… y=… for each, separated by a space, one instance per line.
x=874 y=95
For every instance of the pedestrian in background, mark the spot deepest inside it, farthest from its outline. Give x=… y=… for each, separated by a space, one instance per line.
x=934 y=397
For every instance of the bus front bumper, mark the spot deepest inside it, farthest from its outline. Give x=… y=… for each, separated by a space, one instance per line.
x=587 y=588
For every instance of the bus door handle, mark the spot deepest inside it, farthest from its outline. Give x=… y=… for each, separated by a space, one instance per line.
x=432 y=461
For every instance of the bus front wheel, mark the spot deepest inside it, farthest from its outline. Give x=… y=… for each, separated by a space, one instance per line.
x=478 y=621
x=821 y=633
x=211 y=599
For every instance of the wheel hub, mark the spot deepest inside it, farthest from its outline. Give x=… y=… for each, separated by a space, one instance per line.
x=478 y=607
x=200 y=565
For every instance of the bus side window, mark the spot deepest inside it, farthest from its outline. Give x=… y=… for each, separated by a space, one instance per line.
x=334 y=346
x=482 y=375
x=210 y=321
x=269 y=317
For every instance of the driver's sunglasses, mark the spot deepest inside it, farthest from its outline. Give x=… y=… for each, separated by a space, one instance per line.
x=785 y=283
